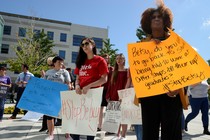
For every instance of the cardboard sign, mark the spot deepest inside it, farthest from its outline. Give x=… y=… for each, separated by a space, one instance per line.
x=3 y=91
x=130 y=113
x=112 y=117
x=169 y=65
x=32 y=116
x=42 y=96
x=80 y=113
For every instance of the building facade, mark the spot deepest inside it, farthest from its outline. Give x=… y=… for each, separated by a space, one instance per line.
x=66 y=36
x=1 y=29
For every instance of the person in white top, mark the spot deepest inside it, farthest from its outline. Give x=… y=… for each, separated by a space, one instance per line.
x=199 y=101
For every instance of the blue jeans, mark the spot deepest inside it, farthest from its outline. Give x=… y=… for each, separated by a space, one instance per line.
x=2 y=102
x=138 y=131
x=198 y=104
x=183 y=121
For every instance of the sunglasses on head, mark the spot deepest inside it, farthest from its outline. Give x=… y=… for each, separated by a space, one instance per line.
x=85 y=44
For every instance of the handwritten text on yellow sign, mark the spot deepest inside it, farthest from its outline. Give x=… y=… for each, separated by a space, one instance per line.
x=169 y=65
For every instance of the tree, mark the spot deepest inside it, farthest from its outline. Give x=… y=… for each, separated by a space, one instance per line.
x=108 y=50
x=32 y=50
x=140 y=33
x=208 y=62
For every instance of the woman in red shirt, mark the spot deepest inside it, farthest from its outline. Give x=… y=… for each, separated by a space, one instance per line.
x=91 y=71
x=118 y=82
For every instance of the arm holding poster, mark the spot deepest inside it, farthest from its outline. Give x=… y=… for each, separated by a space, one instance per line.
x=91 y=71
x=59 y=75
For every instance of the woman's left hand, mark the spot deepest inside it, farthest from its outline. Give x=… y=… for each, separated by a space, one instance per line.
x=173 y=93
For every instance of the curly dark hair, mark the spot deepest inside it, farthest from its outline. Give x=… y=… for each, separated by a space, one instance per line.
x=147 y=17
x=82 y=56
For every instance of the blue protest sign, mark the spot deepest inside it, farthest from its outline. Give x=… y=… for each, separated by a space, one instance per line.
x=42 y=96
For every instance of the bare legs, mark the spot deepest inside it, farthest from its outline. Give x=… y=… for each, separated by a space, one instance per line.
x=124 y=130
x=50 y=125
x=101 y=117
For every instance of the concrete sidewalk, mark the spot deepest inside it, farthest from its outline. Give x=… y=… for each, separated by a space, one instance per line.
x=18 y=129
x=26 y=130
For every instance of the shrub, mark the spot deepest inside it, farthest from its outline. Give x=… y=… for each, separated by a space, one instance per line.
x=10 y=109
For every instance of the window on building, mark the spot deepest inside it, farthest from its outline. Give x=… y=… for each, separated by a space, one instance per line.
x=63 y=37
x=5 y=48
x=3 y=65
x=22 y=32
x=77 y=40
x=7 y=30
x=36 y=32
x=50 y=35
x=99 y=42
x=74 y=57
x=62 y=54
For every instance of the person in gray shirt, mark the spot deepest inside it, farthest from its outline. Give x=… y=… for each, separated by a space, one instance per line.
x=60 y=75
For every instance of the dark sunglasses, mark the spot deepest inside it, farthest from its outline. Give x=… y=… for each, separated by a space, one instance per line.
x=85 y=44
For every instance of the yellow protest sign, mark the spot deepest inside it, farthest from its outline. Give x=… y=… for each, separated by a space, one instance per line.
x=169 y=65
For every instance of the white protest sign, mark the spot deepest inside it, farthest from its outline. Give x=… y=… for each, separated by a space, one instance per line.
x=32 y=116
x=130 y=113
x=80 y=113
x=112 y=117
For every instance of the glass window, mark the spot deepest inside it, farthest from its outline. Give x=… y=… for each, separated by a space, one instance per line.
x=50 y=35
x=77 y=40
x=22 y=32
x=3 y=65
x=99 y=42
x=63 y=37
x=7 y=30
x=5 y=48
x=36 y=32
x=62 y=54
x=74 y=57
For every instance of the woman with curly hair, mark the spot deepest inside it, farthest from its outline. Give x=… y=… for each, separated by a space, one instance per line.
x=163 y=110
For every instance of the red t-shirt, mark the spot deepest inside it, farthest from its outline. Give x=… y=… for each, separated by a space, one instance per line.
x=91 y=71
x=120 y=83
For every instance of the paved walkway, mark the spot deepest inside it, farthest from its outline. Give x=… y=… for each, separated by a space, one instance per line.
x=26 y=130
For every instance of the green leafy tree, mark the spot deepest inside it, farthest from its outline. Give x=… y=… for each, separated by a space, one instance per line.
x=32 y=50
x=140 y=33
x=44 y=42
x=107 y=49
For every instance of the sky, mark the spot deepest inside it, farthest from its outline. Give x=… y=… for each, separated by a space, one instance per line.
x=122 y=18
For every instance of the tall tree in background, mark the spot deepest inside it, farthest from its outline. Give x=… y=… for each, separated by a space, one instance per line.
x=208 y=62
x=140 y=33
x=32 y=50
x=44 y=43
x=107 y=49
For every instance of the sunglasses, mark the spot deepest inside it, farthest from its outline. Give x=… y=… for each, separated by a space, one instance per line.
x=85 y=44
